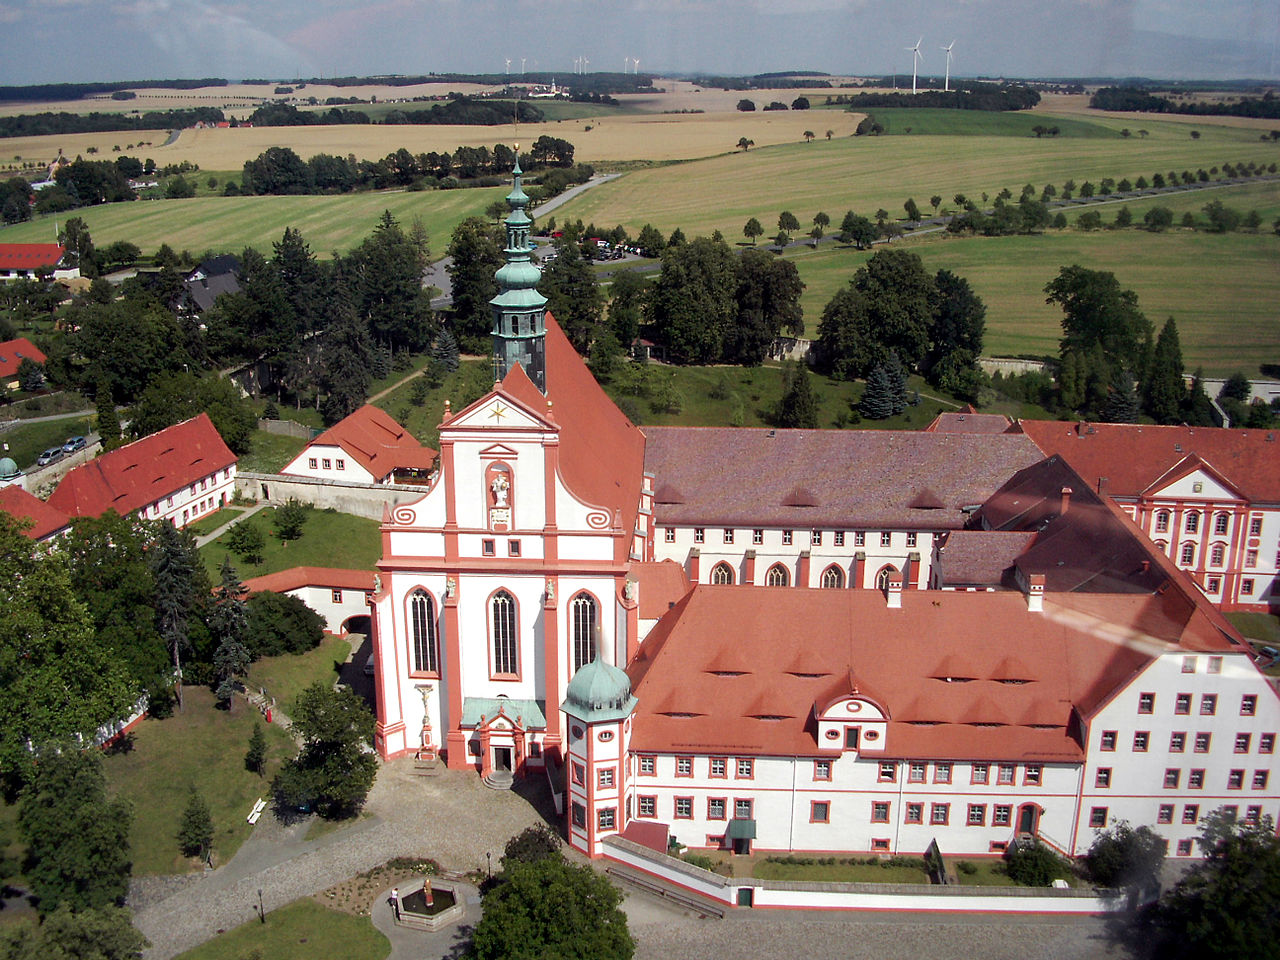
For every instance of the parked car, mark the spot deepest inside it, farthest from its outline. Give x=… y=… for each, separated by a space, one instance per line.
x=73 y=444
x=52 y=455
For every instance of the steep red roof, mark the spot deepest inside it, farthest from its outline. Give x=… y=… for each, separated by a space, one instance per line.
x=144 y=471
x=705 y=689
x=29 y=256
x=375 y=441
x=969 y=422
x=13 y=352
x=661 y=584
x=297 y=577
x=45 y=520
x=1132 y=456
x=877 y=478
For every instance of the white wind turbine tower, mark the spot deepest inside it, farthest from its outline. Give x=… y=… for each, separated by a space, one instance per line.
x=522 y=60
x=626 y=63
x=508 y=66
x=635 y=64
x=946 y=87
x=915 y=61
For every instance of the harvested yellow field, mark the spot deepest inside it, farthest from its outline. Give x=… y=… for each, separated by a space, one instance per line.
x=31 y=150
x=1077 y=105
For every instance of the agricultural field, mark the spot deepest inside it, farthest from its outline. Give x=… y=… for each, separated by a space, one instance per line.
x=1220 y=289
x=1263 y=196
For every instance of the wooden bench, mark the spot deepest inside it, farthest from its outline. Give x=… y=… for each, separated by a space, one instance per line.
x=256 y=812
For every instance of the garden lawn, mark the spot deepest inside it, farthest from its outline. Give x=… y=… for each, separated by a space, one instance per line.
x=1219 y=288
x=839 y=872
x=472 y=379
x=201 y=747
x=302 y=930
x=212 y=521
x=269 y=452
x=28 y=441
x=1262 y=627
x=329 y=539
x=287 y=675
x=989 y=873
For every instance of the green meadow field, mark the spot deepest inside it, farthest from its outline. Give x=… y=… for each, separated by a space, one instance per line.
x=328 y=223
x=1220 y=288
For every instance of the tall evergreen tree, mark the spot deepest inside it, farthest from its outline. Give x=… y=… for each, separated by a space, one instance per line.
x=195 y=835
x=877 y=398
x=348 y=354
x=1198 y=409
x=302 y=278
x=108 y=421
x=573 y=296
x=1163 y=394
x=230 y=626
x=180 y=581
x=476 y=251
x=445 y=350
x=1121 y=405
x=384 y=276
x=897 y=382
x=798 y=407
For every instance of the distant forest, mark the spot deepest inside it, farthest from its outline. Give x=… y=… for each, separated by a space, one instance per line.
x=1139 y=99
x=39 y=92
x=43 y=124
x=973 y=96
x=463 y=110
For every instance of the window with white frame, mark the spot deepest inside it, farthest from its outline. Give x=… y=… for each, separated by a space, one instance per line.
x=1102 y=779
x=1188 y=556
x=880 y=811
x=980 y=773
x=1162 y=521
x=1209 y=703
x=838 y=538
x=503 y=625
x=1217 y=554
x=911 y=539
x=741 y=808
x=832 y=578
x=757 y=536
x=669 y=534
x=683 y=808
x=820 y=811
x=1248 y=704
x=648 y=765
x=888 y=771
x=647 y=806
x=699 y=535
x=728 y=535
x=1141 y=739
x=914 y=813
x=745 y=768
x=1260 y=778
x=684 y=766
x=1221 y=523
x=1005 y=773
x=1001 y=815
x=778 y=576
x=1255 y=526
x=1266 y=742
x=815 y=538
x=1192 y=524
x=722 y=574
x=718 y=768
x=1242 y=742
x=786 y=538
x=604 y=777
x=1097 y=817
x=716 y=807
x=939 y=813
x=860 y=538
x=977 y=816
x=422 y=631
x=822 y=769
x=1165 y=813
x=1177 y=741
x=886 y=539
x=583 y=617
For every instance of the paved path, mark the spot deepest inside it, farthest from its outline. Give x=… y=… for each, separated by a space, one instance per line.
x=410 y=944
x=210 y=537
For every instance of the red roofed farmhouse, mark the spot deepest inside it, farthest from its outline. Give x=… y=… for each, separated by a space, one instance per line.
x=28 y=261
x=366 y=447
x=178 y=474
x=47 y=521
x=12 y=353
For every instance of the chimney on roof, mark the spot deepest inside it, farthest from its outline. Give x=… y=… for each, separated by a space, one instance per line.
x=1035 y=593
x=1103 y=483
x=1065 y=503
x=1082 y=427
x=893 y=590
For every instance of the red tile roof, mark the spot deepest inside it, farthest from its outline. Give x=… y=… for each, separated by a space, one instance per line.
x=144 y=471
x=661 y=584
x=874 y=478
x=375 y=441
x=1132 y=456
x=705 y=689
x=29 y=256
x=297 y=577
x=13 y=352
x=969 y=422
x=45 y=520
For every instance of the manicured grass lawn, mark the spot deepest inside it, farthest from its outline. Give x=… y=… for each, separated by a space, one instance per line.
x=1263 y=627
x=28 y=441
x=329 y=539
x=327 y=223
x=1219 y=288
x=287 y=675
x=303 y=930
x=990 y=873
x=270 y=452
x=201 y=747
x=212 y=521
x=472 y=379
x=839 y=872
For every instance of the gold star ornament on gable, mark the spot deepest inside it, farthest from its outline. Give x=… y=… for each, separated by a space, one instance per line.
x=497 y=412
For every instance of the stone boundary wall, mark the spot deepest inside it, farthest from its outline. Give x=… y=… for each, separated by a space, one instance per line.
x=1012 y=365
x=360 y=499
x=797 y=894
x=288 y=428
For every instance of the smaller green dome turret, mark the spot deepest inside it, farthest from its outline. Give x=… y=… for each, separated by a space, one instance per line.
x=599 y=692
x=8 y=470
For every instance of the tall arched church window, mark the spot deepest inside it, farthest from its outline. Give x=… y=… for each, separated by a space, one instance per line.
x=777 y=576
x=504 y=633
x=422 y=632
x=833 y=578
x=722 y=574
x=882 y=578
x=582 y=612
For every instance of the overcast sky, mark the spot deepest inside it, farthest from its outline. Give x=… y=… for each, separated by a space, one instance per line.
x=79 y=40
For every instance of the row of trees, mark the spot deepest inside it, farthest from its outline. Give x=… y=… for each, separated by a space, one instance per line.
x=1140 y=99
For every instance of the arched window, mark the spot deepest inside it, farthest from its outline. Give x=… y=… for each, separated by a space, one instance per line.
x=722 y=574
x=1218 y=555
x=1193 y=522
x=833 y=577
x=777 y=576
x=1221 y=523
x=1162 y=521
x=1188 y=554
x=422 y=632
x=882 y=578
x=582 y=613
x=503 y=608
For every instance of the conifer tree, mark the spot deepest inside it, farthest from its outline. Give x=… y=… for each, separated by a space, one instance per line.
x=180 y=583
x=798 y=407
x=255 y=758
x=897 y=383
x=445 y=350
x=229 y=625
x=1121 y=405
x=195 y=835
x=1197 y=408
x=877 y=398
x=108 y=421
x=1163 y=395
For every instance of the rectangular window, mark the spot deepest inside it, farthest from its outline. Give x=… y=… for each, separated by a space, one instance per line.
x=1033 y=774
x=1246 y=586
x=1177 y=741
x=888 y=771
x=1172 y=776
x=786 y=538
x=745 y=769
x=742 y=808
x=1184 y=848
x=1248 y=705
x=1255 y=526
x=604 y=777
x=1203 y=740
x=1193 y=523
x=886 y=539
x=1146 y=702
x=648 y=765
x=340 y=463
x=914 y=814
x=860 y=538
x=977 y=815
x=579 y=816
x=1108 y=741
x=911 y=539
x=915 y=773
x=1251 y=558
x=1162 y=522
x=1242 y=742
x=325 y=464
x=311 y=463
x=1252 y=814
x=1188 y=664
x=819 y=811
x=880 y=811
x=684 y=766
x=880 y=844
x=1195 y=779
x=839 y=538
x=757 y=537
x=669 y=534
x=728 y=535
x=1097 y=817
x=815 y=538
x=513 y=548
x=1005 y=773
x=1191 y=813
x=647 y=806
x=1182 y=704
x=1208 y=704
x=1215 y=665
x=579 y=774
x=1266 y=742
x=1001 y=814
x=488 y=548
x=1102 y=779
x=699 y=535
x=981 y=773
x=606 y=817
x=1165 y=815
x=1214 y=585
x=716 y=807
x=822 y=769
x=1230 y=811
x=1260 y=778
x=719 y=767
x=942 y=773
x=1140 y=741
x=684 y=808
x=939 y=813
x=335 y=596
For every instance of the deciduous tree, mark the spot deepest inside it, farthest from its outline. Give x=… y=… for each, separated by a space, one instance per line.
x=332 y=772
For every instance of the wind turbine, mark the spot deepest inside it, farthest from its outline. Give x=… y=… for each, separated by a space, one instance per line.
x=915 y=62
x=946 y=87
x=626 y=62
x=508 y=66
x=635 y=64
x=522 y=60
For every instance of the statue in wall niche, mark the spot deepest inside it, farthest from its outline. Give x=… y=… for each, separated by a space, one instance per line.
x=500 y=486
x=551 y=589
x=377 y=583
x=451 y=587
x=629 y=590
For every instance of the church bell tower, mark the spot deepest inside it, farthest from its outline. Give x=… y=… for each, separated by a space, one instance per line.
x=519 y=310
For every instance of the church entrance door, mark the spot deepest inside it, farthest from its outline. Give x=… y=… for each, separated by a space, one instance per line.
x=502 y=758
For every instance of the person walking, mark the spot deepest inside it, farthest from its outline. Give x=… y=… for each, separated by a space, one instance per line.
x=395 y=902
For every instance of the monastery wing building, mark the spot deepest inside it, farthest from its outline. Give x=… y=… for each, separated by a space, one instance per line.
x=853 y=641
